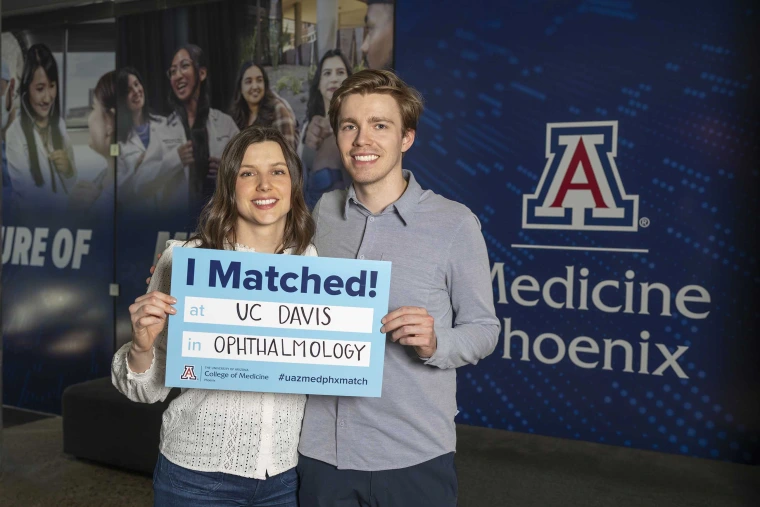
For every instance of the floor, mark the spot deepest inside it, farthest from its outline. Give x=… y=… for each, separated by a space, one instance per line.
x=496 y=468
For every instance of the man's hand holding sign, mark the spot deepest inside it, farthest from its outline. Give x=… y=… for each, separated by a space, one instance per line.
x=412 y=326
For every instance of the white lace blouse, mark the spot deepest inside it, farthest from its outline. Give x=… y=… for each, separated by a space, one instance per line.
x=242 y=433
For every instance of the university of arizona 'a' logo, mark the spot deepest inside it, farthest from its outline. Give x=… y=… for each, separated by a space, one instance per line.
x=581 y=188
x=189 y=373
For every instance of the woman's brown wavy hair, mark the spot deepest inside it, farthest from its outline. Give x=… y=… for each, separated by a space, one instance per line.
x=216 y=225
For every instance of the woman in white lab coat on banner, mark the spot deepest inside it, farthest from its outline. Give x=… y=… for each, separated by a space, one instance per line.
x=201 y=132
x=40 y=155
x=142 y=144
x=323 y=169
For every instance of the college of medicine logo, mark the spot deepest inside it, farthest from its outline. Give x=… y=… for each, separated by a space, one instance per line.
x=189 y=373
x=580 y=188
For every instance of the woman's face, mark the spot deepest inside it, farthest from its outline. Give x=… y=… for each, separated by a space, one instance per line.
x=182 y=75
x=263 y=187
x=100 y=124
x=333 y=74
x=135 y=94
x=252 y=85
x=42 y=94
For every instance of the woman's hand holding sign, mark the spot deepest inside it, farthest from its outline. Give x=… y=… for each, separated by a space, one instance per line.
x=148 y=314
x=412 y=326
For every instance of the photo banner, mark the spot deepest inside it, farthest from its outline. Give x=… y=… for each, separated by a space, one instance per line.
x=58 y=201
x=277 y=66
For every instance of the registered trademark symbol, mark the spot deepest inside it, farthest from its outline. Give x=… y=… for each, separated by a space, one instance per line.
x=644 y=222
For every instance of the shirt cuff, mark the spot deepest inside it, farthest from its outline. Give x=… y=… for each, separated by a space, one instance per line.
x=145 y=376
x=439 y=358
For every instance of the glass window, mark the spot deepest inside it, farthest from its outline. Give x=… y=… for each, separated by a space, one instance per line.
x=91 y=52
x=82 y=73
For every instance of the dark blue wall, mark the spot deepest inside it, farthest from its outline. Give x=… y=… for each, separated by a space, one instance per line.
x=679 y=80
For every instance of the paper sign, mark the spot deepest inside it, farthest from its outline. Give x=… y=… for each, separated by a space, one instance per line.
x=277 y=323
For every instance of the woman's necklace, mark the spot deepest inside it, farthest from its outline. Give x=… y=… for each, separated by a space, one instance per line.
x=44 y=133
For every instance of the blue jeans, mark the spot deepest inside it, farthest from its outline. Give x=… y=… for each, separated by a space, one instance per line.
x=176 y=486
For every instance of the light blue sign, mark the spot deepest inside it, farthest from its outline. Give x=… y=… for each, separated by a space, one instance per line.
x=277 y=323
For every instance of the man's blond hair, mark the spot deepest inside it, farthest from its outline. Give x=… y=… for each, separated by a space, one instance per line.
x=384 y=82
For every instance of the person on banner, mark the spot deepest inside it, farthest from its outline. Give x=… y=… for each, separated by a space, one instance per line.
x=441 y=312
x=7 y=90
x=255 y=103
x=142 y=145
x=40 y=155
x=196 y=133
x=101 y=124
x=219 y=447
x=377 y=46
x=323 y=168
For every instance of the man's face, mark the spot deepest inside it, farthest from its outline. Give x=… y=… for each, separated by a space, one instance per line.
x=370 y=137
x=378 y=41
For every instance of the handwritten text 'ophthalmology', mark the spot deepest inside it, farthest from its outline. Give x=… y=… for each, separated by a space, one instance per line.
x=276 y=349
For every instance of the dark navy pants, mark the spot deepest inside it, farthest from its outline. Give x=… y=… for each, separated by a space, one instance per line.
x=429 y=484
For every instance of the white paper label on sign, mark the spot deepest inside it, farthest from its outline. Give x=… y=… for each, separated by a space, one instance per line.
x=278 y=315
x=275 y=349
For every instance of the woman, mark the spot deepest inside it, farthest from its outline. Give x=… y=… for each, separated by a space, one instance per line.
x=323 y=169
x=255 y=103
x=40 y=155
x=200 y=426
x=141 y=136
x=102 y=128
x=196 y=133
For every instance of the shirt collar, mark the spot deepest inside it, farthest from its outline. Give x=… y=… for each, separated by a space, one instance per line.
x=405 y=204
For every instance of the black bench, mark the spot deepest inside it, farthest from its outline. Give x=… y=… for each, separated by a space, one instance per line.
x=102 y=425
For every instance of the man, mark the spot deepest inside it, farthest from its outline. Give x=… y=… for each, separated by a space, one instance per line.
x=377 y=47
x=397 y=450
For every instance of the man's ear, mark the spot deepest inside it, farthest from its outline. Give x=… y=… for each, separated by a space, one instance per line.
x=407 y=139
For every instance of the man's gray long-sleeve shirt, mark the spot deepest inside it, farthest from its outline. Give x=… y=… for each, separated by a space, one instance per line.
x=440 y=263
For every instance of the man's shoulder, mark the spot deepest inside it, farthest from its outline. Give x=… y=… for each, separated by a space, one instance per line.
x=332 y=202
x=444 y=210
